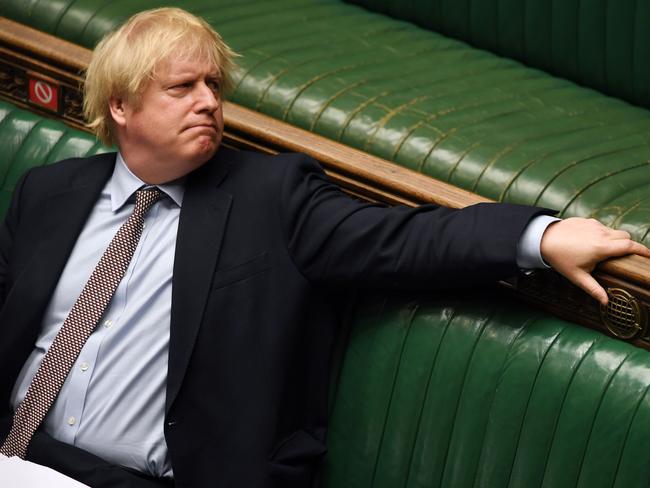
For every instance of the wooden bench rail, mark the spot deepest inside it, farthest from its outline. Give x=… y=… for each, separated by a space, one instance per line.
x=26 y=53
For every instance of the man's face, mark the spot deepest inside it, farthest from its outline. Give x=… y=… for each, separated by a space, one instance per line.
x=178 y=124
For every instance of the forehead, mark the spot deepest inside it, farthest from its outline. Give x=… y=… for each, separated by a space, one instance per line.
x=173 y=66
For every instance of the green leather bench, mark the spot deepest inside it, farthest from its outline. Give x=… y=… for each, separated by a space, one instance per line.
x=483 y=94
x=29 y=140
x=479 y=391
x=454 y=391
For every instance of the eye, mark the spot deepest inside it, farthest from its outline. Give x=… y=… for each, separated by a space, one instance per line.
x=180 y=87
x=214 y=85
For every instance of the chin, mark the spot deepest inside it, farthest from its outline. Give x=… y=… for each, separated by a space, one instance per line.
x=199 y=158
x=207 y=145
x=203 y=150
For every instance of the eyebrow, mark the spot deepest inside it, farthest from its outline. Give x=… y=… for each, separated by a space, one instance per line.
x=190 y=76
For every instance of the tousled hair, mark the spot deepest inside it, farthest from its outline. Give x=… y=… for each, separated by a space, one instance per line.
x=125 y=60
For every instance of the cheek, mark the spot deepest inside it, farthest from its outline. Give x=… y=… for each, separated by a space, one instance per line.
x=157 y=128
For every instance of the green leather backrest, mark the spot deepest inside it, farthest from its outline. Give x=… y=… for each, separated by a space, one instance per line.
x=597 y=43
x=462 y=392
x=29 y=140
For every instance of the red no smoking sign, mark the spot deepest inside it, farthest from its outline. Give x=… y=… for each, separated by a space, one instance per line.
x=44 y=93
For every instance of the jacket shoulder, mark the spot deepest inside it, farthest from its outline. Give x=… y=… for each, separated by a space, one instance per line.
x=62 y=172
x=265 y=168
x=73 y=165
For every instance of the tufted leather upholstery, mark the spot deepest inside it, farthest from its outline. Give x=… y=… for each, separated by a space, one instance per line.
x=600 y=44
x=482 y=392
x=433 y=104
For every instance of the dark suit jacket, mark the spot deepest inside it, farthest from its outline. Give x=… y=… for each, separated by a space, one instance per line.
x=264 y=245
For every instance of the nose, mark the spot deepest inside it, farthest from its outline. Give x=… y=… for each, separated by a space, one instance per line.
x=207 y=99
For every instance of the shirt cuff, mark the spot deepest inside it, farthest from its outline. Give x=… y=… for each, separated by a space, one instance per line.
x=529 y=254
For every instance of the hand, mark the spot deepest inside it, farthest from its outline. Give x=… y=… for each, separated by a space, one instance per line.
x=574 y=246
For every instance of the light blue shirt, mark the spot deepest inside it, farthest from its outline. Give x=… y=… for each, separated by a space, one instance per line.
x=112 y=403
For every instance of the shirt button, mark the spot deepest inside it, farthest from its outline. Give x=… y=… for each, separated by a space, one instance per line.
x=85 y=366
x=71 y=421
x=107 y=323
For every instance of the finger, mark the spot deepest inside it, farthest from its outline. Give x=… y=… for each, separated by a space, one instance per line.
x=640 y=249
x=621 y=247
x=619 y=234
x=590 y=285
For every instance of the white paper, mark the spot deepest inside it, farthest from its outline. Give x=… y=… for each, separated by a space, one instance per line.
x=16 y=473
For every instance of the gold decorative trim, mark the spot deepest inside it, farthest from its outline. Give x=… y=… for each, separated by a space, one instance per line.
x=623 y=315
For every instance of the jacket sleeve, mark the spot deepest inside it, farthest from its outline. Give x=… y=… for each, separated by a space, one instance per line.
x=333 y=238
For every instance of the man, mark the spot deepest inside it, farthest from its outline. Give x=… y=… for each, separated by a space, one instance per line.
x=209 y=365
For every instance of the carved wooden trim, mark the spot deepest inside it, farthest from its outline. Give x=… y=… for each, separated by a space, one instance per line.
x=27 y=54
x=30 y=56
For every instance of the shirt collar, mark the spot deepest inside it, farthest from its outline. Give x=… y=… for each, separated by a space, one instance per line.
x=124 y=183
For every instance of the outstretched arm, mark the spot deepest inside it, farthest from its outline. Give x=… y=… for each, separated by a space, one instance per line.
x=574 y=246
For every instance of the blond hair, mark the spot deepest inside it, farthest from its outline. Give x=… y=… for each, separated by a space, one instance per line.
x=125 y=60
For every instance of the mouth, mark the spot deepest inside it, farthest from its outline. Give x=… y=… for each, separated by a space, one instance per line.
x=203 y=126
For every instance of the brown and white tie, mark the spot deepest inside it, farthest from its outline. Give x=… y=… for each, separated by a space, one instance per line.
x=77 y=327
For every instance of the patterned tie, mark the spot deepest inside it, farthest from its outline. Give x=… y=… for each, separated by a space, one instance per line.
x=85 y=314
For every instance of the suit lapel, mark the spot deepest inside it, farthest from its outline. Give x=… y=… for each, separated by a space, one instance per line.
x=200 y=233
x=64 y=214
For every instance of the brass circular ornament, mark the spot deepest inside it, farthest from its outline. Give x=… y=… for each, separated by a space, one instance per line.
x=622 y=315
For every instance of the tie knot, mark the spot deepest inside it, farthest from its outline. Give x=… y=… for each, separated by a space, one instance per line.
x=144 y=200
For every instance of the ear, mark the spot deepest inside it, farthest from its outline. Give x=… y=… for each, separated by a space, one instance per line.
x=118 y=109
